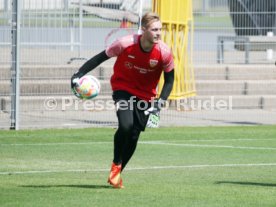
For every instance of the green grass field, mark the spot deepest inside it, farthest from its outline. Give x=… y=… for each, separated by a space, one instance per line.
x=189 y=166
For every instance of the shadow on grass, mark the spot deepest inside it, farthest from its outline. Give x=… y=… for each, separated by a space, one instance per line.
x=247 y=183
x=68 y=186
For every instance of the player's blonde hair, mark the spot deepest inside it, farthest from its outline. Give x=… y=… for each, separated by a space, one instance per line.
x=148 y=18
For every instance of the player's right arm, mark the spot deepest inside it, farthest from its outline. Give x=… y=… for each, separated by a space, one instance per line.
x=91 y=64
x=88 y=66
x=113 y=50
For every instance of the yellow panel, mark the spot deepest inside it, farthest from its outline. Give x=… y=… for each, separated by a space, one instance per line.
x=177 y=19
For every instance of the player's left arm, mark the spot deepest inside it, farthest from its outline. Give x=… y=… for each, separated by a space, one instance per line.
x=165 y=92
x=168 y=68
x=168 y=84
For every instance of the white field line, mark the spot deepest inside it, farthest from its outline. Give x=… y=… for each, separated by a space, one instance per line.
x=223 y=140
x=148 y=143
x=143 y=142
x=142 y=168
x=54 y=143
x=209 y=146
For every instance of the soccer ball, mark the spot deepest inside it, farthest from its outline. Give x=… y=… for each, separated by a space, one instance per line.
x=88 y=87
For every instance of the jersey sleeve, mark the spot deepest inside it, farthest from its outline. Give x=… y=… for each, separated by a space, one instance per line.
x=167 y=58
x=115 y=49
x=118 y=46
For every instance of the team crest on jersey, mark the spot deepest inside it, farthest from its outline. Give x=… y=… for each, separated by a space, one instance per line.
x=153 y=63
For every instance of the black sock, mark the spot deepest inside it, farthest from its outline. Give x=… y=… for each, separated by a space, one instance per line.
x=130 y=147
x=119 y=142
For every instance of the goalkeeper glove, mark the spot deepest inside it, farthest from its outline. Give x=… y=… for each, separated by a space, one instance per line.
x=153 y=121
x=75 y=84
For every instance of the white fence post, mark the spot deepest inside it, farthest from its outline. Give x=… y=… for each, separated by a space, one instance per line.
x=15 y=70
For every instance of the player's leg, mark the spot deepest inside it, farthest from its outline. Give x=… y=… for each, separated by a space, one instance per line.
x=125 y=125
x=140 y=122
x=125 y=120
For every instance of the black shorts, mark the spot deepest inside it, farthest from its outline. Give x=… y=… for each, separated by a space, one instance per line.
x=130 y=108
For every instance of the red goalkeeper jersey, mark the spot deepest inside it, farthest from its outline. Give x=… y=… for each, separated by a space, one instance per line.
x=137 y=71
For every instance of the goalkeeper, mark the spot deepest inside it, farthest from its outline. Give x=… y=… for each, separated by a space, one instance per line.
x=140 y=61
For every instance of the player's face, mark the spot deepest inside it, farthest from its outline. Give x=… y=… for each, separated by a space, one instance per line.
x=153 y=32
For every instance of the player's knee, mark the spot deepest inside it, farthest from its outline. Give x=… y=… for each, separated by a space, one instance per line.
x=126 y=127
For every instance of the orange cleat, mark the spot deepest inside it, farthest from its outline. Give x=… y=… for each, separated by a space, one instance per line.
x=114 y=178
